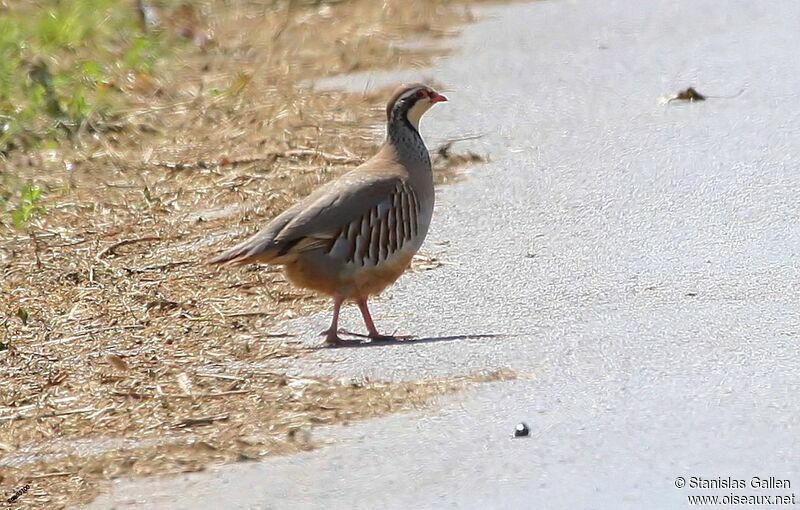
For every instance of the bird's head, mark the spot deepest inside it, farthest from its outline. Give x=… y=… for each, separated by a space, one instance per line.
x=409 y=102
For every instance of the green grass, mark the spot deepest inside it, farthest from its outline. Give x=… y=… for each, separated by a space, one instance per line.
x=28 y=207
x=20 y=202
x=63 y=63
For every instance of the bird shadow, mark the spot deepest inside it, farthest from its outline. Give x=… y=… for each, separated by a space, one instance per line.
x=363 y=341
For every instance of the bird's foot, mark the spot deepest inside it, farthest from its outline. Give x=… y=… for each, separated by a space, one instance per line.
x=341 y=331
x=332 y=339
x=375 y=336
x=350 y=333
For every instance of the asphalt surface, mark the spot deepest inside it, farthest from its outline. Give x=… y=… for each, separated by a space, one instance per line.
x=641 y=258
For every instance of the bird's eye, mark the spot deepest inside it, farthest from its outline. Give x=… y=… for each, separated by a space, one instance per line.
x=421 y=93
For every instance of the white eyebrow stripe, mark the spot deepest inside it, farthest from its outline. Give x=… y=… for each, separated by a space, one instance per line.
x=410 y=93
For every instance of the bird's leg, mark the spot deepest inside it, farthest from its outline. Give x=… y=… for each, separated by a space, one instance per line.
x=332 y=334
x=373 y=332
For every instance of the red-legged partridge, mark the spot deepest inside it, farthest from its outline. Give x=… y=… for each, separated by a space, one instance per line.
x=355 y=236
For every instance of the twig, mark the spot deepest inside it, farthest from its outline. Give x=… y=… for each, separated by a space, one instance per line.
x=49 y=475
x=270 y=156
x=34 y=353
x=39 y=237
x=207 y=395
x=28 y=407
x=36 y=249
x=109 y=250
x=322 y=155
x=98 y=413
x=55 y=414
x=135 y=394
x=450 y=141
x=731 y=96
x=100 y=329
x=203 y=420
x=159 y=267
x=220 y=376
x=247 y=314
x=67 y=413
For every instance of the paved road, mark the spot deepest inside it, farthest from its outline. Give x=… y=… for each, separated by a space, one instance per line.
x=644 y=257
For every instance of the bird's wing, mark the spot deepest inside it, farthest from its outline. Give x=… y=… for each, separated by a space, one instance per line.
x=319 y=220
x=377 y=233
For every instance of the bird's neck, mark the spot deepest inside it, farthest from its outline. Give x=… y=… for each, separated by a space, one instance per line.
x=400 y=125
x=404 y=137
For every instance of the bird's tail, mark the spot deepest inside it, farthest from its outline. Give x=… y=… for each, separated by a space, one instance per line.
x=254 y=249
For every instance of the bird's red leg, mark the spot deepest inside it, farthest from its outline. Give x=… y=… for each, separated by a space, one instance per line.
x=332 y=334
x=373 y=332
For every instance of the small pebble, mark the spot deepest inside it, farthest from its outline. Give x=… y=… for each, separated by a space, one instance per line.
x=522 y=430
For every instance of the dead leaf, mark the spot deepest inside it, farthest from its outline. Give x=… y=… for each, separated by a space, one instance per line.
x=117 y=361
x=689 y=94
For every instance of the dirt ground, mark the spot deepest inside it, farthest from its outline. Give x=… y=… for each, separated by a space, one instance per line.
x=120 y=351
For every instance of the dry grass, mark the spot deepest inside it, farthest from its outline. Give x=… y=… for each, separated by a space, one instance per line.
x=111 y=328
x=175 y=432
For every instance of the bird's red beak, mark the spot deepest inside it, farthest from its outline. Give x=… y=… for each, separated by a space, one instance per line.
x=435 y=97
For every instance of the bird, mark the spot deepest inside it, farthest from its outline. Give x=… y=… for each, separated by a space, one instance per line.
x=356 y=235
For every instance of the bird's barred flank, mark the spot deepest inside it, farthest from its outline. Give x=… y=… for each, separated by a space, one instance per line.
x=382 y=231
